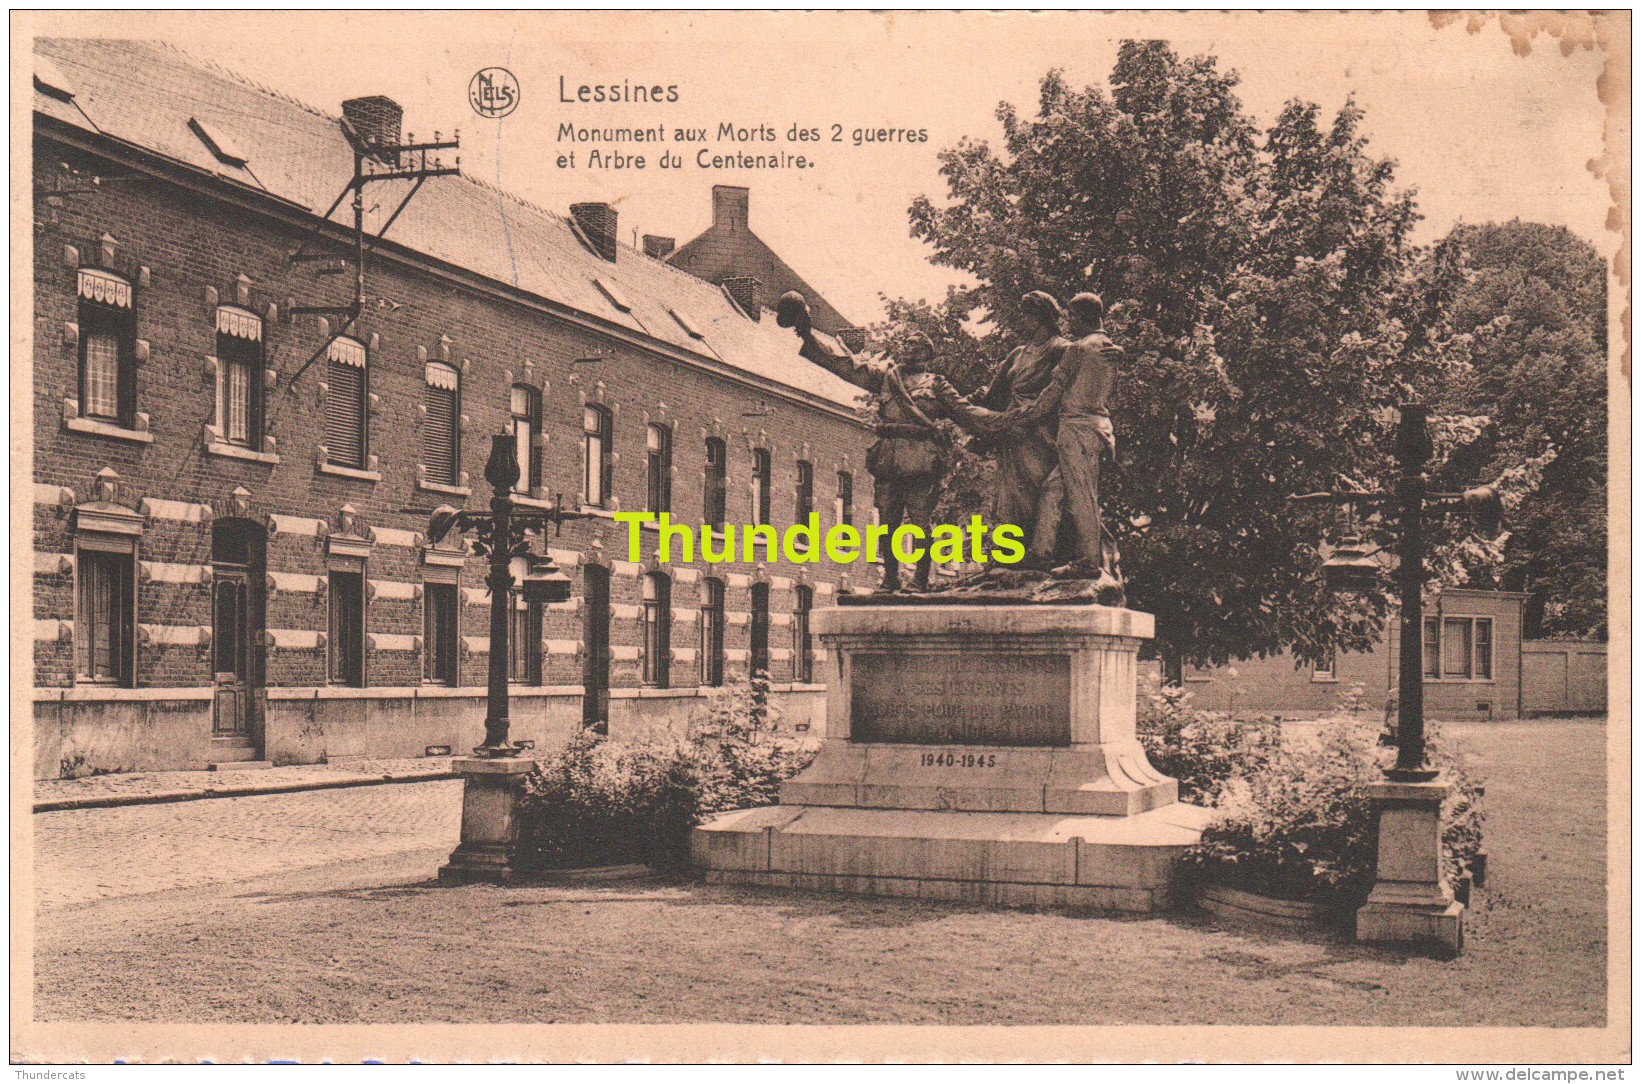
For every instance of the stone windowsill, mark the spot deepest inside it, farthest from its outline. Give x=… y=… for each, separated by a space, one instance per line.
x=107 y=429
x=655 y=692
x=235 y=451
x=1460 y=681
x=524 y=500
x=87 y=691
x=1324 y=679
x=596 y=510
x=339 y=471
x=440 y=487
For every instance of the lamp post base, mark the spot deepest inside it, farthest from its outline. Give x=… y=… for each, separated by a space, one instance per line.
x=1410 y=904
x=491 y=791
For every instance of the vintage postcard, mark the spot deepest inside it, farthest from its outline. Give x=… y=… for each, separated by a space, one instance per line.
x=821 y=536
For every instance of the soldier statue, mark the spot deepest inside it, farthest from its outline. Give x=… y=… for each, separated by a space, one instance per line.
x=909 y=458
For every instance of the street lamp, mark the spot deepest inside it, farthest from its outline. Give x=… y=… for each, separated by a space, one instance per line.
x=494 y=774
x=500 y=535
x=1409 y=901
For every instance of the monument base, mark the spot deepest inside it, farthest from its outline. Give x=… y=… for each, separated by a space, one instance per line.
x=1410 y=904
x=979 y=749
x=488 y=852
x=992 y=859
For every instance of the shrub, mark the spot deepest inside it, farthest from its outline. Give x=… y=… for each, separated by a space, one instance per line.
x=601 y=802
x=1299 y=824
x=597 y=802
x=1202 y=749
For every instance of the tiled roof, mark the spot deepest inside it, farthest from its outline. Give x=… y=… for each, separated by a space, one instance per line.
x=146 y=93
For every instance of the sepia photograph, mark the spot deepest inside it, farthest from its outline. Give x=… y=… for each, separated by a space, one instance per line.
x=821 y=536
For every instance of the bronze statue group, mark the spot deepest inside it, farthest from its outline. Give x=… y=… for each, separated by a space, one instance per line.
x=1044 y=417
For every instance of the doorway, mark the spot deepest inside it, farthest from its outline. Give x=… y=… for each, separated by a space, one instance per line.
x=238 y=609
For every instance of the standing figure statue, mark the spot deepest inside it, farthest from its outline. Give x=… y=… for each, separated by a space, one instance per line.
x=908 y=460
x=1079 y=394
x=1025 y=455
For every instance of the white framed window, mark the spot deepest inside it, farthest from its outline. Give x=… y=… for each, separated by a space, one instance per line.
x=1327 y=669
x=712 y=632
x=658 y=445
x=657 y=629
x=597 y=432
x=239 y=377
x=762 y=481
x=525 y=407
x=1458 y=648
x=108 y=347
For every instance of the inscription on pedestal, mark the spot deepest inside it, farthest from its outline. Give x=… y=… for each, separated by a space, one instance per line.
x=949 y=699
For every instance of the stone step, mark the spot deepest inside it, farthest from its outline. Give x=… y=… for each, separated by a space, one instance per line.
x=227 y=762
x=995 y=859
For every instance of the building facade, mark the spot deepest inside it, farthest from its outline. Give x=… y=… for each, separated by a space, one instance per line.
x=1476 y=666
x=229 y=501
x=730 y=254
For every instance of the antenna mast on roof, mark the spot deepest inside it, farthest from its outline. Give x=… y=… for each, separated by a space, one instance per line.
x=374 y=161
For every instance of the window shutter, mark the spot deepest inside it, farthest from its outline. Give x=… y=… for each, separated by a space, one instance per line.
x=345 y=415
x=439 y=436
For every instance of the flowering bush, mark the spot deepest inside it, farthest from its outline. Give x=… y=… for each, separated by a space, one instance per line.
x=1299 y=824
x=600 y=802
x=1202 y=749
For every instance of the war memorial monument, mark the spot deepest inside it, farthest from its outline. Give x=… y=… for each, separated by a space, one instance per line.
x=980 y=741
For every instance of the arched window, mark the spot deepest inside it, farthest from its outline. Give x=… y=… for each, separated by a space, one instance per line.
x=108 y=347
x=760 y=629
x=712 y=632
x=657 y=629
x=803 y=669
x=441 y=429
x=347 y=381
x=239 y=377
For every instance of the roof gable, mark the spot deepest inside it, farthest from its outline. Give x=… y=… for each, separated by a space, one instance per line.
x=155 y=97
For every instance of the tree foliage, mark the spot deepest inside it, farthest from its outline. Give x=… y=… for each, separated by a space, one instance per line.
x=1251 y=277
x=1540 y=378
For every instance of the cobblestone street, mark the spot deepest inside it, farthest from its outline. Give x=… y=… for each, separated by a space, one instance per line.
x=319 y=908
x=97 y=854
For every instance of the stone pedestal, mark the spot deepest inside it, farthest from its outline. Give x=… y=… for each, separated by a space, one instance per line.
x=491 y=790
x=973 y=752
x=1410 y=903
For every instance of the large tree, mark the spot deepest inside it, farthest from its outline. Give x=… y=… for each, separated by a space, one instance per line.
x=1540 y=380
x=1252 y=279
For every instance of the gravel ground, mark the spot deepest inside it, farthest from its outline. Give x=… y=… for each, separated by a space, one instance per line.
x=369 y=940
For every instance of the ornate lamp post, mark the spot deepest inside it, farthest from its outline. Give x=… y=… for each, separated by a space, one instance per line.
x=494 y=774
x=1409 y=902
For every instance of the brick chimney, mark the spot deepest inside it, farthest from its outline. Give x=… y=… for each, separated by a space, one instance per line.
x=744 y=290
x=853 y=338
x=730 y=206
x=376 y=119
x=658 y=248
x=597 y=223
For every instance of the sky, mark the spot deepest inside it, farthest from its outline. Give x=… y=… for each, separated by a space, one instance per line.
x=1481 y=133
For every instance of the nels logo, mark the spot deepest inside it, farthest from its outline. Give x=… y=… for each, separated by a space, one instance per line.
x=493 y=92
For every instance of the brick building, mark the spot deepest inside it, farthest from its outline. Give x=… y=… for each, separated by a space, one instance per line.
x=1476 y=666
x=730 y=254
x=229 y=502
